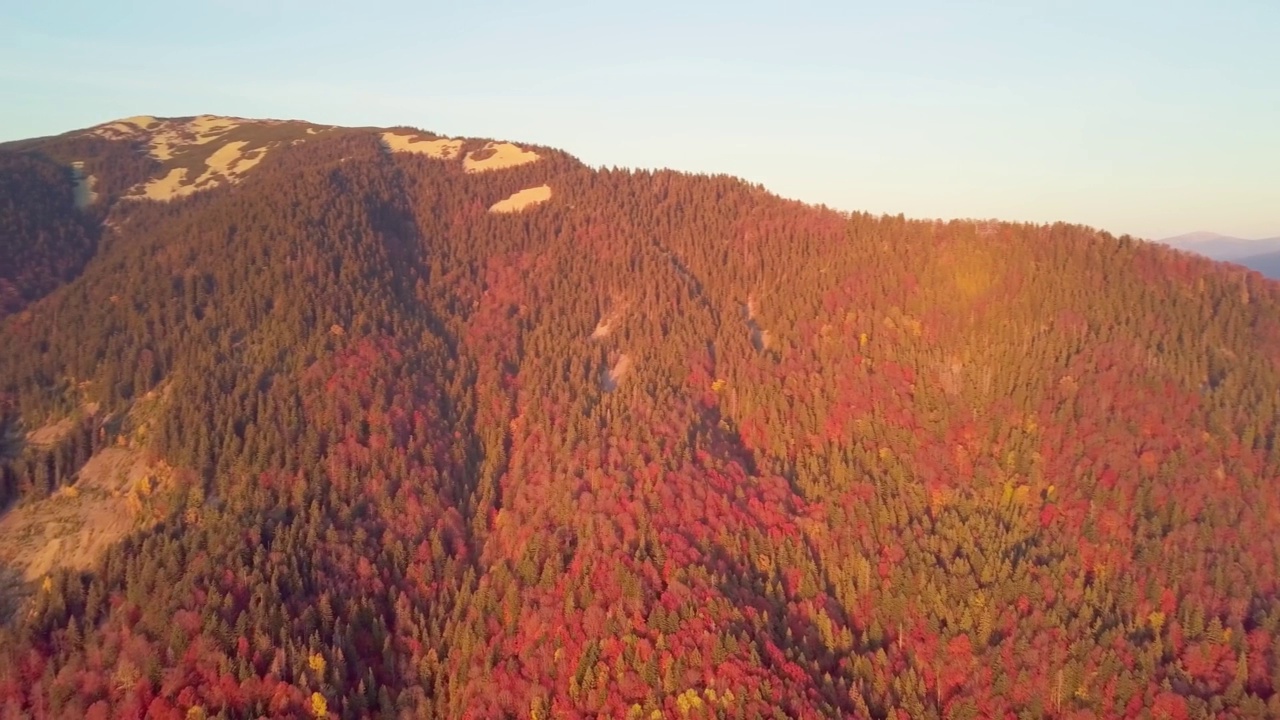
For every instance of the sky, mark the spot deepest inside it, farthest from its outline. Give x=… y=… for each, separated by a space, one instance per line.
x=1135 y=116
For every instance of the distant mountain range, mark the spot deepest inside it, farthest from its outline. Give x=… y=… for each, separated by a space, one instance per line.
x=1262 y=255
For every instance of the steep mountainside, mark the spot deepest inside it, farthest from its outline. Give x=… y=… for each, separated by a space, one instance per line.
x=379 y=423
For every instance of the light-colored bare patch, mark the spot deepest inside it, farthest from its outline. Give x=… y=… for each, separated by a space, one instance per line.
x=496 y=156
x=443 y=149
x=603 y=328
x=523 y=199
x=163 y=145
x=165 y=137
x=760 y=338
x=111 y=497
x=52 y=432
x=210 y=127
x=608 y=321
x=247 y=160
x=169 y=186
x=227 y=164
x=124 y=128
x=609 y=381
x=176 y=141
x=142 y=122
x=229 y=160
x=174 y=135
x=83 y=194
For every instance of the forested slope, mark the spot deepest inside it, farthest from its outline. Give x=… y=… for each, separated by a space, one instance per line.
x=663 y=445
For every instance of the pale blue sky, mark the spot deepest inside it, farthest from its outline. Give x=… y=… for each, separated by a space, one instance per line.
x=1152 y=118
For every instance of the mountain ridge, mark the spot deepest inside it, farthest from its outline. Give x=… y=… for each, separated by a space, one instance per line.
x=656 y=445
x=1221 y=247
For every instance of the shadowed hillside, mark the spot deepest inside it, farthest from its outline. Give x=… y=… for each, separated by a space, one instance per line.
x=1266 y=263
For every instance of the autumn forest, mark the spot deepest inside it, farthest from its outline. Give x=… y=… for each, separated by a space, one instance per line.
x=657 y=445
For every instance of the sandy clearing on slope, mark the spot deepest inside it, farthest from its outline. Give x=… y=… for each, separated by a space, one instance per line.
x=165 y=137
x=522 y=199
x=52 y=432
x=610 y=381
x=141 y=122
x=246 y=161
x=224 y=165
x=229 y=160
x=124 y=127
x=604 y=327
x=169 y=186
x=495 y=156
x=760 y=338
x=75 y=525
x=608 y=320
x=176 y=134
x=208 y=127
x=168 y=137
x=444 y=148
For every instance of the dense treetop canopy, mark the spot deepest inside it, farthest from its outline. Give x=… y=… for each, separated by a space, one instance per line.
x=660 y=446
